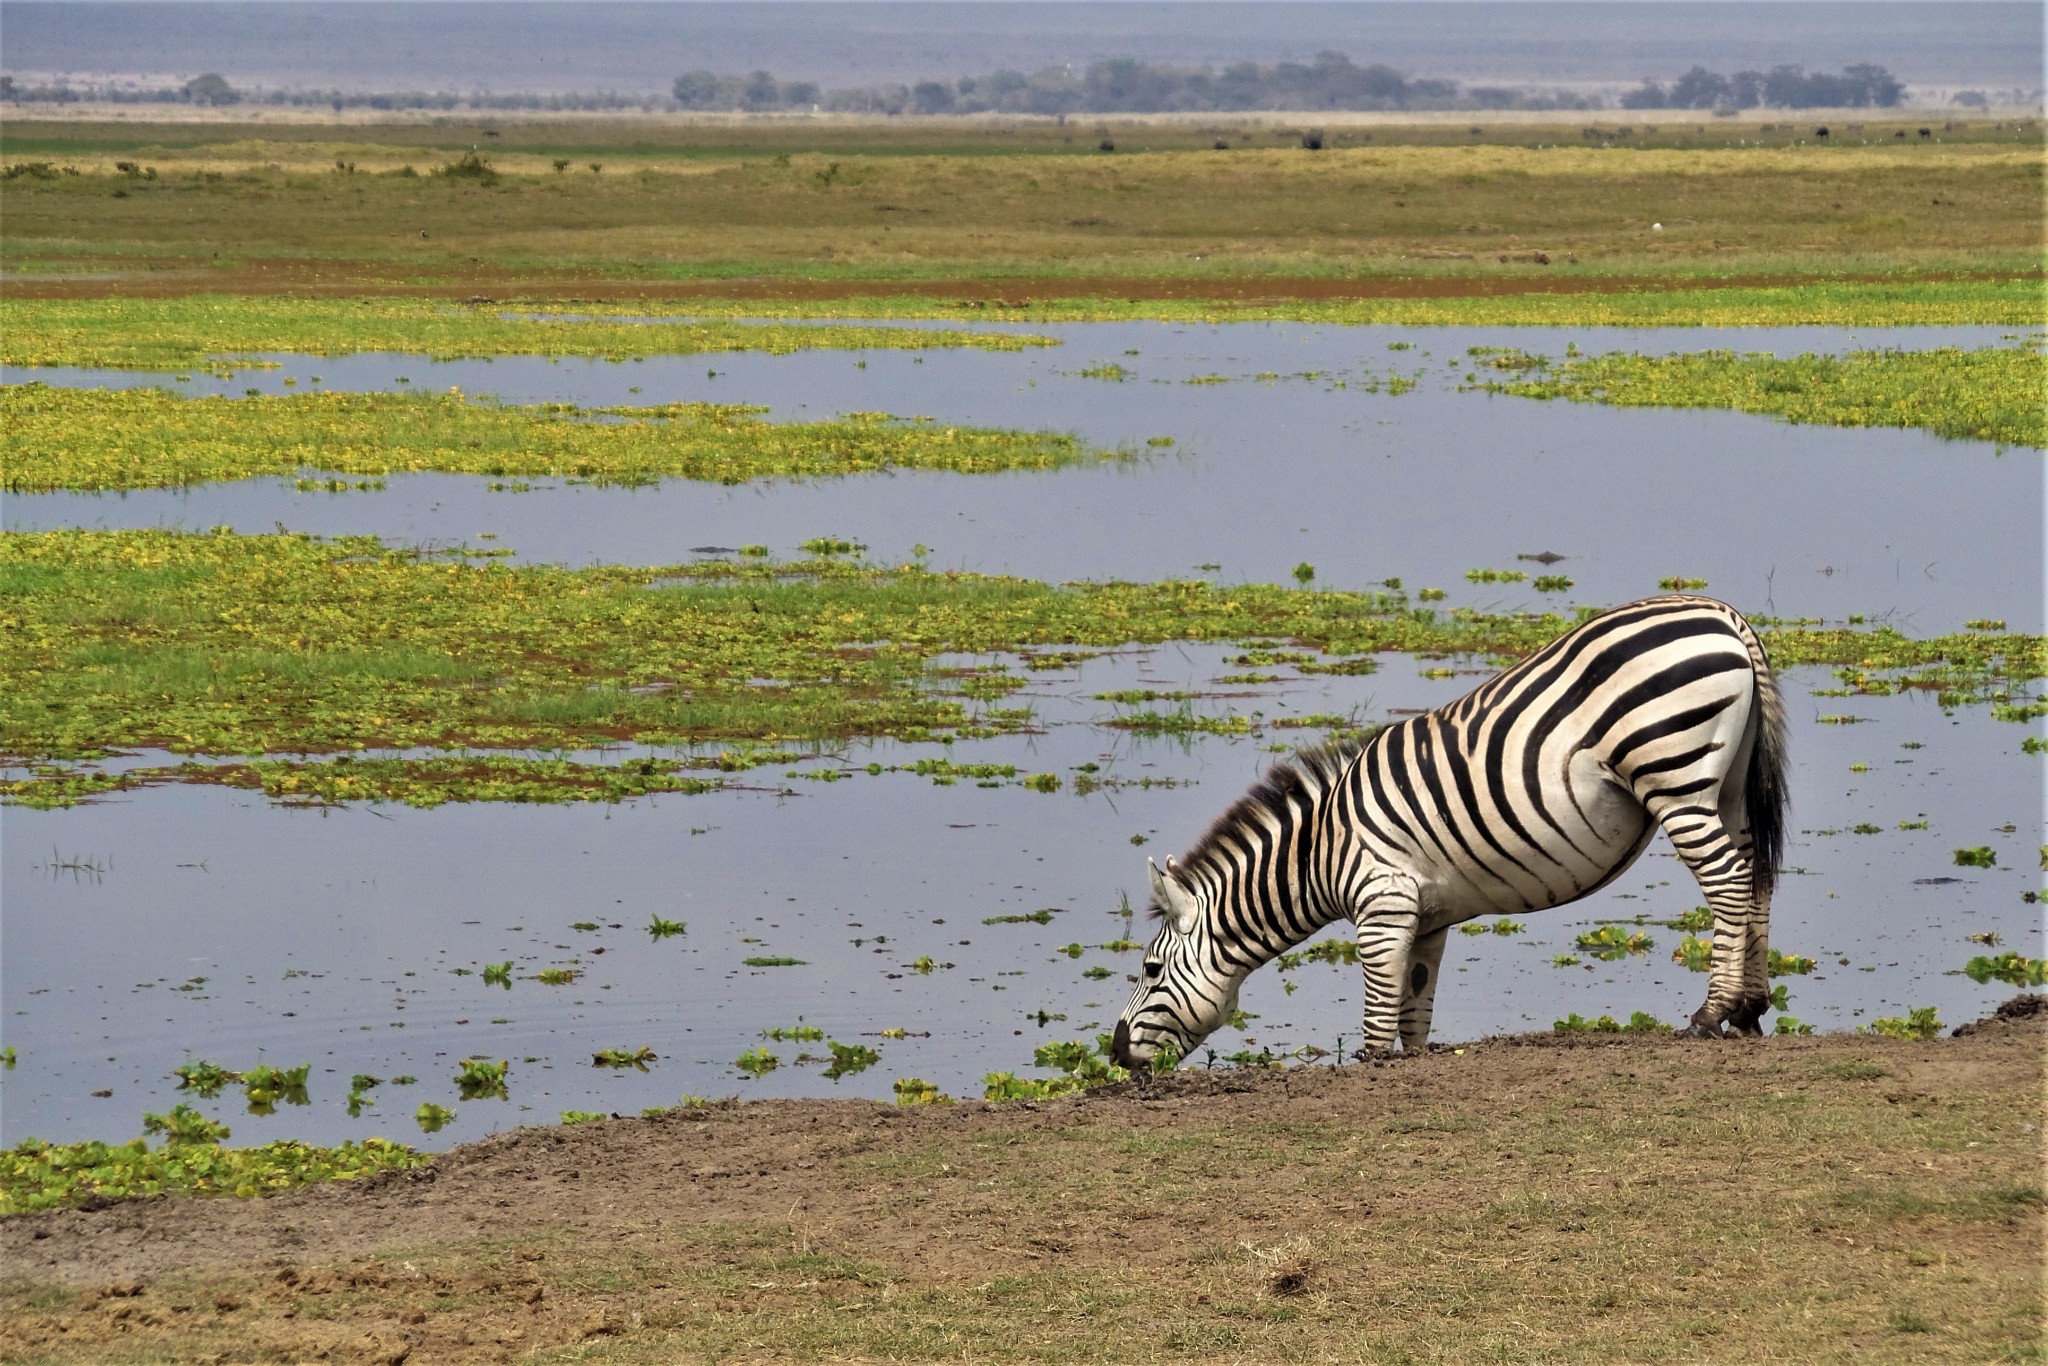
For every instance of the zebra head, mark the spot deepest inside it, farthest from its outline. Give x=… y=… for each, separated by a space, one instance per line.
x=1183 y=993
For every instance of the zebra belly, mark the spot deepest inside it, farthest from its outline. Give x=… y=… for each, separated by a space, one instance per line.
x=1590 y=837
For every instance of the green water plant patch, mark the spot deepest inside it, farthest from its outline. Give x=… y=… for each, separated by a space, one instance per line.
x=39 y=1175
x=1994 y=394
x=289 y=645
x=204 y=330
x=110 y=439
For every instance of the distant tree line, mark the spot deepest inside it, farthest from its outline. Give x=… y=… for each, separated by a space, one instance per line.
x=1782 y=87
x=1122 y=85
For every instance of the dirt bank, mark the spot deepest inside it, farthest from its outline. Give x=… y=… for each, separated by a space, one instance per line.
x=1530 y=1198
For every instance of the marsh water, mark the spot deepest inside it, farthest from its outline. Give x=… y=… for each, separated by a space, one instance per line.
x=148 y=929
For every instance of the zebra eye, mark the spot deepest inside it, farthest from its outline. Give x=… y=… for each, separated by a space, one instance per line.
x=1152 y=970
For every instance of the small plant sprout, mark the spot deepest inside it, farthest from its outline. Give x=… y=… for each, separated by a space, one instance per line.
x=917 y=1091
x=482 y=1079
x=636 y=1058
x=1983 y=856
x=659 y=928
x=431 y=1117
x=557 y=977
x=1304 y=573
x=499 y=974
x=796 y=1033
x=583 y=1116
x=1921 y=1022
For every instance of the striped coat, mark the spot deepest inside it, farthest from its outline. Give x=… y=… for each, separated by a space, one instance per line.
x=1537 y=788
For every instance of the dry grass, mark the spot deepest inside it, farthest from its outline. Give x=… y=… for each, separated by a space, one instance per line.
x=1841 y=1198
x=923 y=201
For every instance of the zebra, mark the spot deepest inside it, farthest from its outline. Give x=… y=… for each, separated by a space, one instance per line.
x=1539 y=787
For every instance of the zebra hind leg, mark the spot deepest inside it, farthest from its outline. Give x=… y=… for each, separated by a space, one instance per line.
x=1720 y=863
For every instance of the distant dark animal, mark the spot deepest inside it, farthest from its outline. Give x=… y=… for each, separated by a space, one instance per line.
x=1821 y=131
x=1926 y=132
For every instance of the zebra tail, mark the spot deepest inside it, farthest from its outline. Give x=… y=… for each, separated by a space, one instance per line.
x=1764 y=787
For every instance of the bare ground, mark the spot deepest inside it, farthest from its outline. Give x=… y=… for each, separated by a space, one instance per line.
x=1535 y=1198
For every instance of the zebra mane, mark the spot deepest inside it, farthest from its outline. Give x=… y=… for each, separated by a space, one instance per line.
x=1302 y=780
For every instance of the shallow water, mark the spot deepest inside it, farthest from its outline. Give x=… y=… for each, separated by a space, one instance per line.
x=1264 y=474
x=332 y=936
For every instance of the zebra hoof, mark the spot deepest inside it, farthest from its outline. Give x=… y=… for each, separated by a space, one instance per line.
x=1698 y=1031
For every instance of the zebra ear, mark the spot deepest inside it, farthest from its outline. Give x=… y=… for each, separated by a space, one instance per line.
x=1181 y=908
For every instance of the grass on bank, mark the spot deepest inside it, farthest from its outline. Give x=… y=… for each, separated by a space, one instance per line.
x=94 y=439
x=224 y=644
x=1989 y=395
x=205 y=331
x=1884 y=1203
x=1584 y=205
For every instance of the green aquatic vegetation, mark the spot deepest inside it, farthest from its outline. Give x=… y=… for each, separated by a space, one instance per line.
x=213 y=643
x=1564 y=960
x=1185 y=721
x=772 y=961
x=1697 y=918
x=1081 y=1065
x=583 y=1116
x=2014 y=969
x=658 y=928
x=1790 y=1025
x=499 y=974
x=1678 y=583
x=1495 y=576
x=1694 y=954
x=109 y=439
x=1985 y=395
x=1921 y=1022
x=38 y=1175
x=635 y=1058
x=432 y=1118
x=796 y=1033
x=1610 y=943
x=1981 y=856
x=849 y=1059
x=265 y=1085
x=203 y=331
x=185 y=1125
x=1331 y=951
x=482 y=1079
x=1502 y=926
x=206 y=1078
x=1788 y=964
x=1042 y=916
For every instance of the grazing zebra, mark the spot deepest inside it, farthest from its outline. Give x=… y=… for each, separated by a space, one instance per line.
x=1542 y=785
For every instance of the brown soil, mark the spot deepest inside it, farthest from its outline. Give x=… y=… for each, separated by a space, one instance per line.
x=128 y=278
x=504 y=1240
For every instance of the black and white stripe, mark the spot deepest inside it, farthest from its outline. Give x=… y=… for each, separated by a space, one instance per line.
x=1540 y=786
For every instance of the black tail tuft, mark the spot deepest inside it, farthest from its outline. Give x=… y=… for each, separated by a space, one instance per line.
x=1764 y=789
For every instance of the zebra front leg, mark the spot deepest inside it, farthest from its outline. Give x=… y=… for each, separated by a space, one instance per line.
x=1424 y=963
x=1386 y=939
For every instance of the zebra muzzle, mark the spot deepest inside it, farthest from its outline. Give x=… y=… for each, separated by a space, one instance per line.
x=1120 y=1045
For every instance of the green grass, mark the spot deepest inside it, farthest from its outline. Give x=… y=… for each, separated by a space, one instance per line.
x=824 y=201
x=221 y=331
x=102 y=439
x=1988 y=395
x=290 y=645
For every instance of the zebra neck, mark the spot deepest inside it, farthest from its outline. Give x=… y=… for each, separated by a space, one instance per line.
x=1259 y=873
